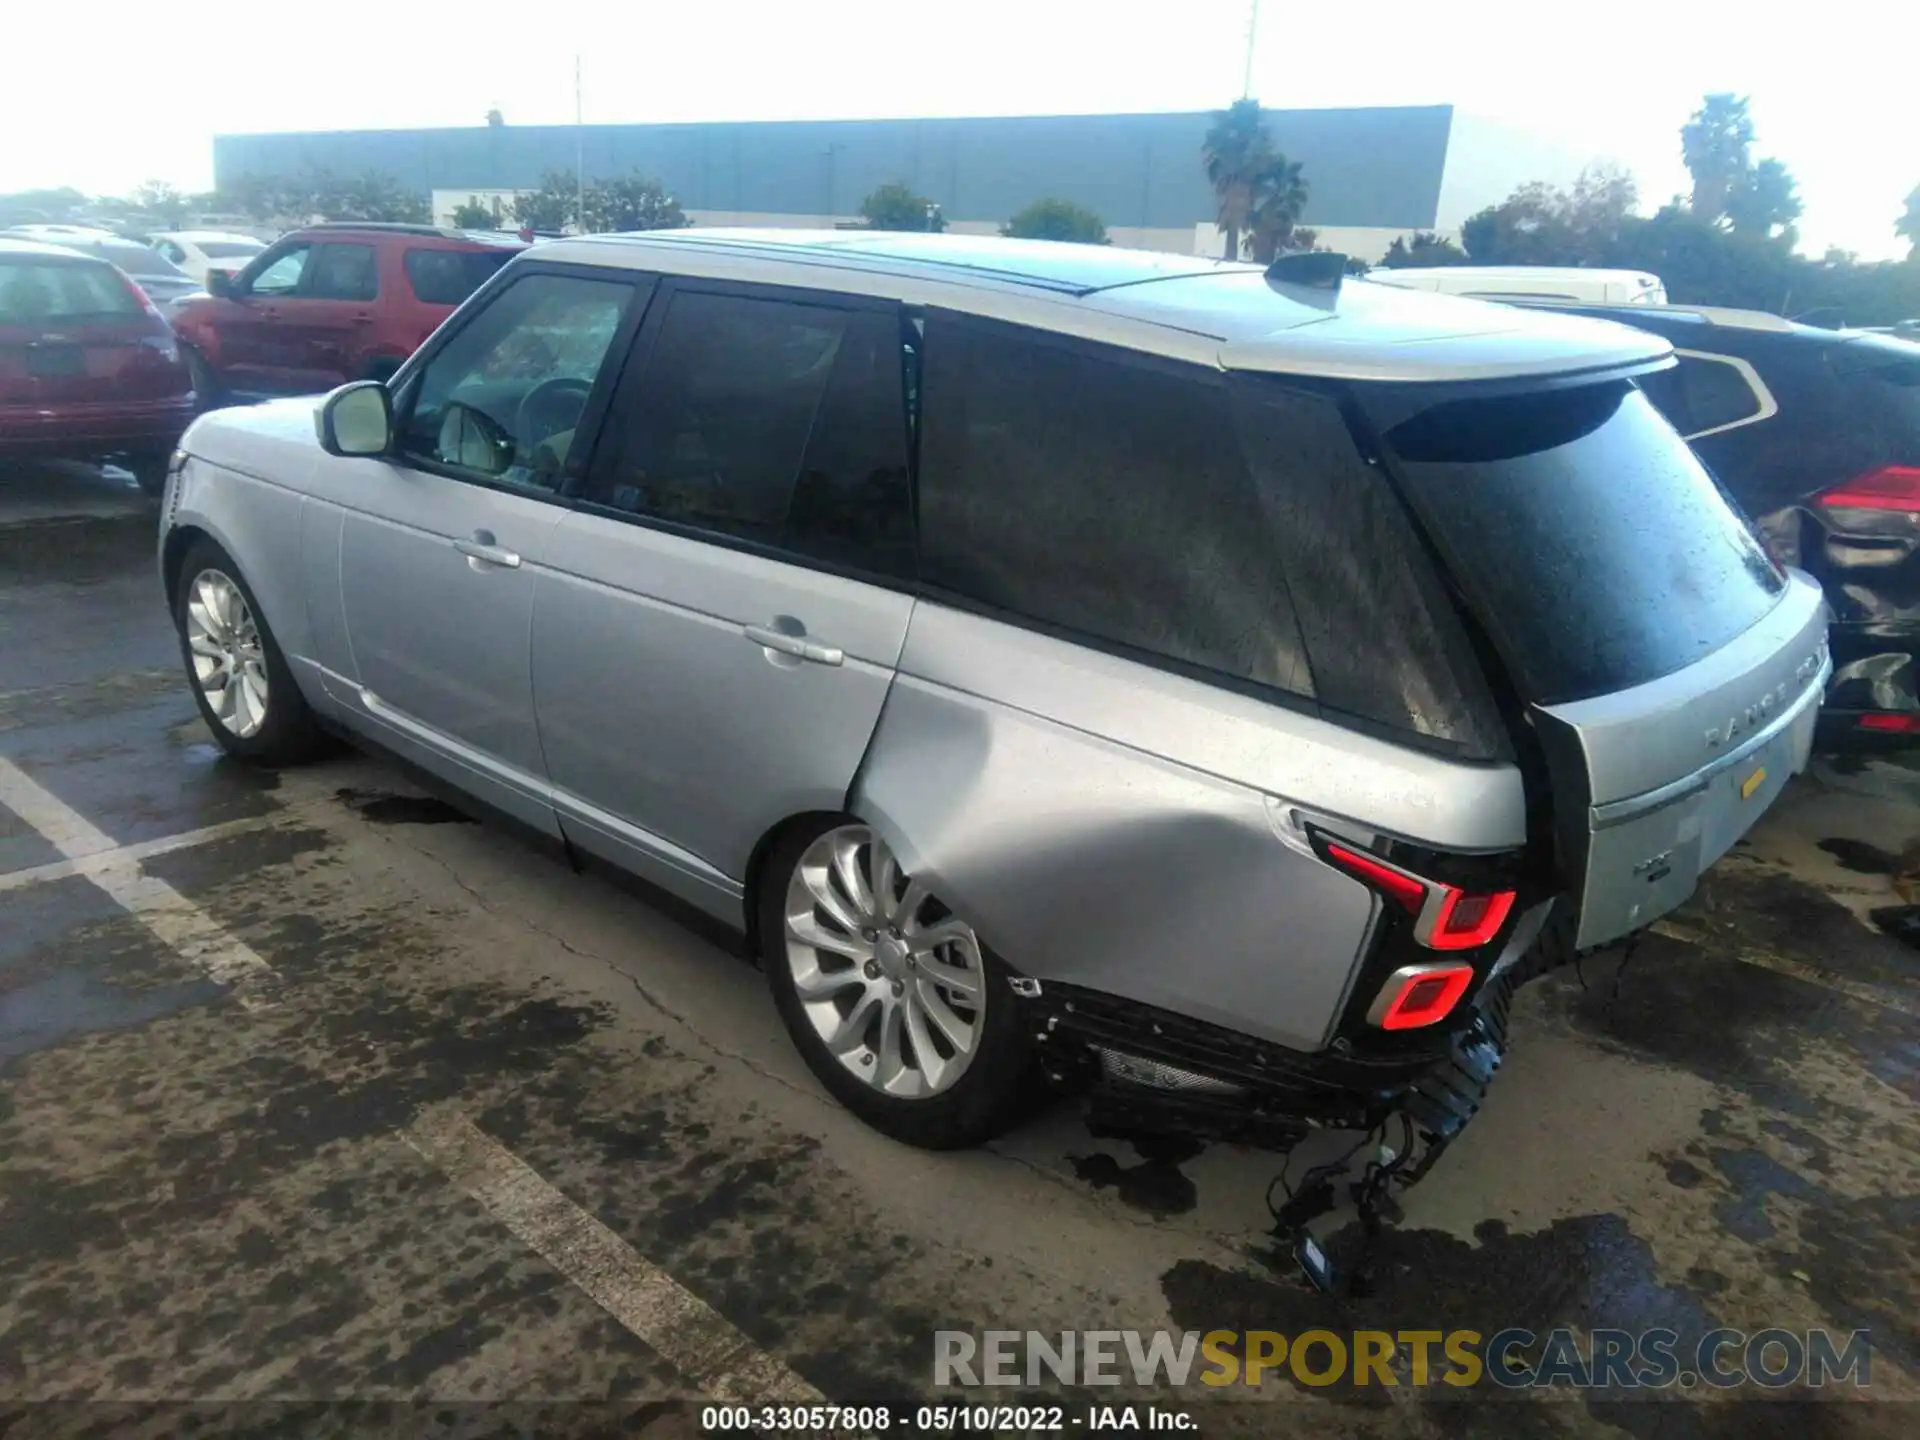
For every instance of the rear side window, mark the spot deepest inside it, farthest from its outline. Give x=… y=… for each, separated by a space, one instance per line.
x=34 y=292
x=1383 y=637
x=772 y=421
x=343 y=272
x=447 y=277
x=1101 y=492
x=1705 y=393
x=1596 y=550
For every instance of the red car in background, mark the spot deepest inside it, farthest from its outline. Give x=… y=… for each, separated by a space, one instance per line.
x=89 y=369
x=328 y=304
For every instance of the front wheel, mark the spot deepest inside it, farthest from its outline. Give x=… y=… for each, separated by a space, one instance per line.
x=890 y=998
x=240 y=678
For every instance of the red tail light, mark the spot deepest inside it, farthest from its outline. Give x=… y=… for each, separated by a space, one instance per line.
x=1418 y=995
x=1445 y=916
x=1906 y=722
x=1891 y=487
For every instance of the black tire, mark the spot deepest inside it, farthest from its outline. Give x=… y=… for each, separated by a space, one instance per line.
x=149 y=473
x=208 y=392
x=289 y=733
x=996 y=1091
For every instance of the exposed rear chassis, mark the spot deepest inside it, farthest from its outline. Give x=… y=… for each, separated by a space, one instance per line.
x=1215 y=1083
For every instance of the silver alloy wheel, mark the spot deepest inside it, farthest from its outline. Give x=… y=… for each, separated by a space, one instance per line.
x=892 y=983
x=229 y=665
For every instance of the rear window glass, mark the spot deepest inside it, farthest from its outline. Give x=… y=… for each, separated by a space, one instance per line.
x=33 y=292
x=1593 y=545
x=446 y=277
x=139 y=260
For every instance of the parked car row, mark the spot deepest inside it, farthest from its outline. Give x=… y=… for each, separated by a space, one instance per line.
x=1200 y=684
x=315 y=309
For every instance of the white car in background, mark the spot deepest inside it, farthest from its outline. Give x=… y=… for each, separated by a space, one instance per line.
x=198 y=251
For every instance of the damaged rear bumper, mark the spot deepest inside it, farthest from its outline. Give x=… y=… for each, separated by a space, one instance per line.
x=1147 y=1070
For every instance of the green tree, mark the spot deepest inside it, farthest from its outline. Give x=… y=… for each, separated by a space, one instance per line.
x=551 y=207
x=1542 y=224
x=40 y=207
x=162 y=201
x=474 y=214
x=1715 y=145
x=1764 y=200
x=1279 y=195
x=894 y=206
x=1054 y=219
x=637 y=202
x=1907 y=227
x=1235 y=154
x=375 y=196
x=1423 y=247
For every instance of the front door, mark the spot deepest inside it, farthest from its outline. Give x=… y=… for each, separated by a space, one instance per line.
x=444 y=544
x=731 y=591
x=255 y=354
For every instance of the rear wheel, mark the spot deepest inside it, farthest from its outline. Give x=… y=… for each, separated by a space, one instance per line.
x=891 y=999
x=240 y=677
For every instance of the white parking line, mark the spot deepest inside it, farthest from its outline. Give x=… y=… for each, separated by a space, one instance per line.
x=718 y=1361
x=95 y=863
x=174 y=920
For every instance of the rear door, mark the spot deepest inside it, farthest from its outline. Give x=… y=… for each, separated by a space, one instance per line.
x=1670 y=670
x=732 y=591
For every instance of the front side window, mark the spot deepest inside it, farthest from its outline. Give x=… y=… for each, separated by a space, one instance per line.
x=343 y=272
x=281 y=276
x=502 y=398
x=777 y=422
x=172 y=251
x=1101 y=492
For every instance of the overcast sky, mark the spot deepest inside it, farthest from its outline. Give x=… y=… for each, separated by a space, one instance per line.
x=1836 y=93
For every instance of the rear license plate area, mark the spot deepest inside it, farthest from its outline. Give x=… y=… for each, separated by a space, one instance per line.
x=55 y=362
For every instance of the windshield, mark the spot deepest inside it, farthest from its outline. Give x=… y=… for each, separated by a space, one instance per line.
x=1596 y=549
x=35 y=291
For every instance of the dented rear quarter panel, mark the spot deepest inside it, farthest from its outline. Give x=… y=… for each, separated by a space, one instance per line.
x=1107 y=824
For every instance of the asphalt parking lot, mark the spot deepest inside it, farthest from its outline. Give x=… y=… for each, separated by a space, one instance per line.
x=312 y=1089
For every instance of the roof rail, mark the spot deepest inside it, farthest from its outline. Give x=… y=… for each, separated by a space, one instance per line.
x=393 y=227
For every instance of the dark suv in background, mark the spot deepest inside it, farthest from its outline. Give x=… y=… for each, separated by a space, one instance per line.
x=1816 y=434
x=329 y=304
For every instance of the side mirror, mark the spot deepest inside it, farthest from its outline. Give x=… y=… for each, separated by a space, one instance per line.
x=474 y=440
x=356 y=419
x=220 y=283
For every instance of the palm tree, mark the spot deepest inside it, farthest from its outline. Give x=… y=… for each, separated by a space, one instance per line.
x=1235 y=152
x=1279 y=195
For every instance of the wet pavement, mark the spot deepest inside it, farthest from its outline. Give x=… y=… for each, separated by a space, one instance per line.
x=313 y=1091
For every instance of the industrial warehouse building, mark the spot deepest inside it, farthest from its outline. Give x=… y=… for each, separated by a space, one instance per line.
x=1372 y=173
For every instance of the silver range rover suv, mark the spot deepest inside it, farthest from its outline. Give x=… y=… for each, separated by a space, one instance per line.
x=1202 y=684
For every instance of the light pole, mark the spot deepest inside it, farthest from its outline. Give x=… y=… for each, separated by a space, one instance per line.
x=580 y=152
x=1253 y=26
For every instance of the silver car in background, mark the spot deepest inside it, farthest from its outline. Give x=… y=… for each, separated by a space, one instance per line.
x=1202 y=684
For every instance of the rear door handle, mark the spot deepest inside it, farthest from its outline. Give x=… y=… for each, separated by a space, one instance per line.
x=482 y=548
x=796 y=645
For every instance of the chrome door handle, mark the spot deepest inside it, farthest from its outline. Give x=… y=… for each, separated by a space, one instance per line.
x=488 y=554
x=796 y=645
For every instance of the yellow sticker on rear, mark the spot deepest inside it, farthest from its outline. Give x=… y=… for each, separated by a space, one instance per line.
x=1752 y=783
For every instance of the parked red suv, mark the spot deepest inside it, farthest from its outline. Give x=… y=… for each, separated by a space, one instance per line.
x=329 y=304
x=88 y=368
